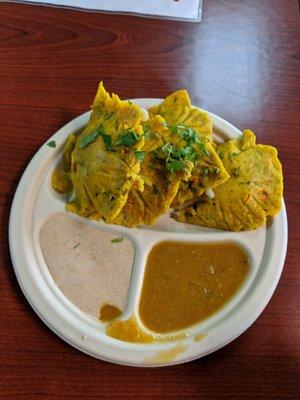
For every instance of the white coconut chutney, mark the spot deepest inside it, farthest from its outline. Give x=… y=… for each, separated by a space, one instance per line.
x=90 y=267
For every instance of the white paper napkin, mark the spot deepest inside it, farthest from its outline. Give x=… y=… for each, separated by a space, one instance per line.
x=172 y=9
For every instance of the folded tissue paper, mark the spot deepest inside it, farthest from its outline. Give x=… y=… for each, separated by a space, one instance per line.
x=188 y=10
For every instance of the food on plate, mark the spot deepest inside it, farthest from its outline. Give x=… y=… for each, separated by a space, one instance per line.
x=177 y=109
x=160 y=177
x=195 y=125
x=185 y=283
x=104 y=167
x=61 y=177
x=252 y=193
x=128 y=167
x=208 y=173
x=91 y=268
x=108 y=312
x=129 y=330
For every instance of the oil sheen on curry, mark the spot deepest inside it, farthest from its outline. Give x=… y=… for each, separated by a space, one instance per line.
x=185 y=283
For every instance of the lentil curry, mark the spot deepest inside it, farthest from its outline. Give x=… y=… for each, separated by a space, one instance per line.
x=185 y=283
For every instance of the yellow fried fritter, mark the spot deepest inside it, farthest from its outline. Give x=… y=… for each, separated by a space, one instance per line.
x=176 y=109
x=160 y=184
x=208 y=172
x=61 y=177
x=128 y=171
x=104 y=167
x=253 y=192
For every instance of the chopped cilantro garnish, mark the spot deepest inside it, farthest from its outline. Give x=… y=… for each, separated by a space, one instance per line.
x=117 y=240
x=107 y=141
x=191 y=137
x=128 y=139
x=147 y=132
x=176 y=157
x=203 y=149
x=174 y=166
x=139 y=155
x=187 y=133
x=52 y=144
x=90 y=137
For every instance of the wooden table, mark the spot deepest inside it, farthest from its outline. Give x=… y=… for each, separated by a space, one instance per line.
x=241 y=62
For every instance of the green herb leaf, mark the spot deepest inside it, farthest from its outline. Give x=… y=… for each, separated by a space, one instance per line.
x=176 y=157
x=203 y=149
x=166 y=148
x=139 y=155
x=189 y=153
x=91 y=137
x=174 y=166
x=52 y=144
x=147 y=132
x=107 y=141
x=128 y=139
x=192 y=138
x=187 y=133
x=117 y=240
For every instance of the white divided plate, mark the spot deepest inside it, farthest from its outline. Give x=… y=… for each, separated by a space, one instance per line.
x=35 y=201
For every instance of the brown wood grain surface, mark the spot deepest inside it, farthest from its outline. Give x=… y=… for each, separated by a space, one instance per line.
x=241 y=62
